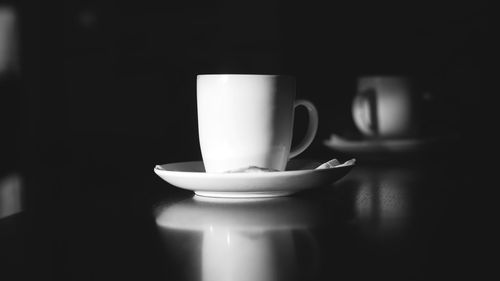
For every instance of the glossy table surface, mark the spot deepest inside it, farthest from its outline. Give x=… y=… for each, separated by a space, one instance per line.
x=396 y=220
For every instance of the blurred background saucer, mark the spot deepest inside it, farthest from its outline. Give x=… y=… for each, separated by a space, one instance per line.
x=379 y=149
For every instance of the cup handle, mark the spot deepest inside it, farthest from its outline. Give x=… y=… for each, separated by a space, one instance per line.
x=311 y=129
x=365 y=112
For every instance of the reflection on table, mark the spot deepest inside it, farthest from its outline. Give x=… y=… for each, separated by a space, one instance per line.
x=244 y=239
x=383 y=200
x=384 y=221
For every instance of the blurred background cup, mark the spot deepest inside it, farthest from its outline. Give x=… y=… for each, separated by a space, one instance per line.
x=246 y=121
x=387 y=107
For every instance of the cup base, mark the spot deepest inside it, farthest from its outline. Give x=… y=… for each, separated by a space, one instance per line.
x=243 y=194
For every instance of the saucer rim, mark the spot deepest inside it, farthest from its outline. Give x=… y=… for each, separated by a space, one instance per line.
x=250 y=185
x=159 y=167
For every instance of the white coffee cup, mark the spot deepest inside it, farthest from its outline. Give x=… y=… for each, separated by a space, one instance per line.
x=246 y=121
x=386 y=107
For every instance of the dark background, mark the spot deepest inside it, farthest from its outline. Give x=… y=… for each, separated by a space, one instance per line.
x=110 y=85
x=106 y=90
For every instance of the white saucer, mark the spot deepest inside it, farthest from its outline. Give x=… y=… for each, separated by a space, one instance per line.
x=339 y=143
x=300 y=175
